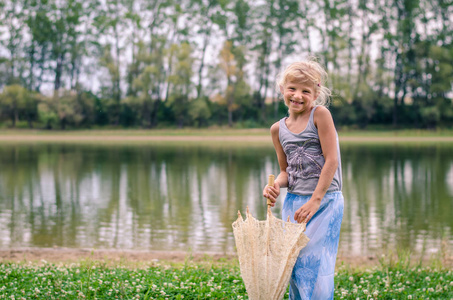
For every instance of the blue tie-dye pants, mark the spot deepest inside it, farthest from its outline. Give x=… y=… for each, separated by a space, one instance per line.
x=313 y=273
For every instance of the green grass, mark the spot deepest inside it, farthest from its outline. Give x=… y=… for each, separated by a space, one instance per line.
x=205 y=280
x=397 y=133
x=222 y=131
x=213 y=136
x=215 y=131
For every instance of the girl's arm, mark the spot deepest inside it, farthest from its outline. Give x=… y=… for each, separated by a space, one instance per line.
x=282 y=179
x=328 y=139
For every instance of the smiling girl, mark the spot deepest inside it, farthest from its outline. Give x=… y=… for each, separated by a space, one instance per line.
x=308 y=153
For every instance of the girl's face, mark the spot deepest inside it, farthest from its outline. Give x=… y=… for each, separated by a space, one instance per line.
x=299 y=96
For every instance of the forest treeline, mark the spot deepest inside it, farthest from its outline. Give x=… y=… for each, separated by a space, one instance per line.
x=157 y=63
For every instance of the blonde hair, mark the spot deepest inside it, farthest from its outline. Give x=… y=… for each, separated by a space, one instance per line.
x=303 y=71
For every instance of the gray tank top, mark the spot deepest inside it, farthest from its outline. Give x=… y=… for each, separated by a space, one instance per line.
x=305 y=159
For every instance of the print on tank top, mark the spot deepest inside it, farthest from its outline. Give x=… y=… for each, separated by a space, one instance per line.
x=305 y=160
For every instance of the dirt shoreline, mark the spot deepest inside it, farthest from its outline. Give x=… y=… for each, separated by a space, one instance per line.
x=69 y=255
x=143 y=257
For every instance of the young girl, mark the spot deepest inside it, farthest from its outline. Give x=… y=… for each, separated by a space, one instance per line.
x=308 y=153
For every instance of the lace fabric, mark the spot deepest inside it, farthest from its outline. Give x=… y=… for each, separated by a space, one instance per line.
x=267 y=252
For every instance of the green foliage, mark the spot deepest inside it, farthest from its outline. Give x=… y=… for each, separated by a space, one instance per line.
x=180 y=81
x=91 y=279
x=17 y=103
x=394 y=283
x=47 y=113
x=66 y=108
x=389 y=61
x=199 y=112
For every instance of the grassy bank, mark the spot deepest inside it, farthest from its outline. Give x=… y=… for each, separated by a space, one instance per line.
x=216 y=131
x=221 y=136
x=89 y=279
x=222 y=131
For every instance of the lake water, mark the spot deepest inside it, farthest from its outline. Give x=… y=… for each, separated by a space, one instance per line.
x=184 y=196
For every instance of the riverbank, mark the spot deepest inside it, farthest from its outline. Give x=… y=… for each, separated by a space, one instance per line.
x=142 y=257
x=253 y=136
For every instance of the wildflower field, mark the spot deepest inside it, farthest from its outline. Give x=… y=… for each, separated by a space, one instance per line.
x=97 y=280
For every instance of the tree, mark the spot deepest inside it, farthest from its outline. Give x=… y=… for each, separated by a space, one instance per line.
x=66 y=108
x=17 y=101
x=206 y=18
x=111 y=87
x=39 y=50
x=232 y=62
x=111 y=23
x=134 y=20
x=180 y=81
x=263 y=47
x=199 y=111
x=59 y=42
x=12 y=19
x=146 y=86
x=401 y=46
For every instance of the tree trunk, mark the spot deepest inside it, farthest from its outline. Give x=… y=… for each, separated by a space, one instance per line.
x=200 y=70
x=155 y=108
x=58 y=72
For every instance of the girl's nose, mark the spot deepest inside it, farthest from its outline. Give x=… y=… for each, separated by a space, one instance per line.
x=298 y=95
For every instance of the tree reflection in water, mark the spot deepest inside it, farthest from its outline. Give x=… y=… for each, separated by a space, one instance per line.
x=185 y=196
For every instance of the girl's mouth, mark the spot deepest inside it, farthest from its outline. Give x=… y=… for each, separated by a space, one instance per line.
x=295 y=102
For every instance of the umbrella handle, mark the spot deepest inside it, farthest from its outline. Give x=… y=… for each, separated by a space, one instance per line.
x=270 y=182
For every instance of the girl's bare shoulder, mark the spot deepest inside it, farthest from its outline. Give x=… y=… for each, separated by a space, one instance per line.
x=321 y=115
x=322 y=110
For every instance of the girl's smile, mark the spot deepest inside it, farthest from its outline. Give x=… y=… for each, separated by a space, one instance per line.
x=296 y=102
x=299 y=96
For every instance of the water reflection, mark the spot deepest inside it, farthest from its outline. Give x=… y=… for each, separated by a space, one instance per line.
x=398 y=196
x=181 y=197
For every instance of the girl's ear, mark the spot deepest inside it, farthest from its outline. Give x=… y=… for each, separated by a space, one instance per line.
x=281 y=88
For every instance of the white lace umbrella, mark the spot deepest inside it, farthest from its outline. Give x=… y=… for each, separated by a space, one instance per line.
x=267 y=252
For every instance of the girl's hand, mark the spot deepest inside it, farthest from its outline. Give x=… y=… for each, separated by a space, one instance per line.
x=307 y=211
x=272 y=192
